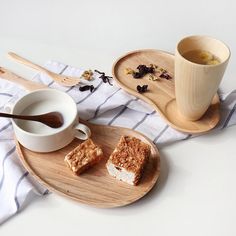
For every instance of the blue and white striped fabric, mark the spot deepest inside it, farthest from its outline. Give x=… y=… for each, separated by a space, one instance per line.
x=106 y=105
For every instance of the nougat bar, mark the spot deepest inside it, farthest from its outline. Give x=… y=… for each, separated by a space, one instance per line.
x=84 y=156
x=128 y=160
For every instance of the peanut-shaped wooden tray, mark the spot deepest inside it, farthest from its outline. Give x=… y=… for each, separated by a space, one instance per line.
x=161 y=93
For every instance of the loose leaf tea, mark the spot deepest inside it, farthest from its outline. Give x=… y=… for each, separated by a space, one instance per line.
x=143 y=70
x=142 y=89
x=153 y=77
x=105 y=78
x=87 y=75
x=154 y=72
x=165 y=75
x=86 y=87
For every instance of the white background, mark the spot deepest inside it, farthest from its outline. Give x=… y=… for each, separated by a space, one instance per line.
x=196 y=193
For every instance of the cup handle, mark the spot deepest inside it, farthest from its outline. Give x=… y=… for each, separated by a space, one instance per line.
x=82 y=131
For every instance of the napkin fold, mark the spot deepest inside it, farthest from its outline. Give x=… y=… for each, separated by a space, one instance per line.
x=107 y=105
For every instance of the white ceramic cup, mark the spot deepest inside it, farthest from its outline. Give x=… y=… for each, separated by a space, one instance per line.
x=38 y=137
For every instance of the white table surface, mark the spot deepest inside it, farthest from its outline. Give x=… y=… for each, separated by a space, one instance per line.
x=196 y=193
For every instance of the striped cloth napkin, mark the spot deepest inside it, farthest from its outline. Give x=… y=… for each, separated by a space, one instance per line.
x=107 y=105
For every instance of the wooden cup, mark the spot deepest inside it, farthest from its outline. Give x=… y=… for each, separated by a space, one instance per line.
x=196 y=84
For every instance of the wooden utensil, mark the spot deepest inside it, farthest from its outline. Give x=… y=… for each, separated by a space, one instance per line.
x=28 y=85
x=94 y=187
x=161 y=93
x=51 y=119
x=60 y=79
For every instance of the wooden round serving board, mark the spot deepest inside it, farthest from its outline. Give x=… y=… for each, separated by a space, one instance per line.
x=161 y=93
x=95 y=186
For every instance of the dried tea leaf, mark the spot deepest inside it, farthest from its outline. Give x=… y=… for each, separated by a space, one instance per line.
x=86 y=87
x=105 y=78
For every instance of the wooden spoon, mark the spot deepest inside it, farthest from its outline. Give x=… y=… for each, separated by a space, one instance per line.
x=60 y=79
x=51 y=119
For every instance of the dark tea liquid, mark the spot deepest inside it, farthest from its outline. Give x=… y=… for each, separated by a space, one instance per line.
x=201 y=57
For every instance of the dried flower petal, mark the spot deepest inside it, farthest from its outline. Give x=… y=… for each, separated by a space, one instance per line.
x=142 y=89
x=152 y=77
x=129 y=71
x=137 y=75
x=87 y=74
x=154 y=66
x=142 y=71
x=165 y=75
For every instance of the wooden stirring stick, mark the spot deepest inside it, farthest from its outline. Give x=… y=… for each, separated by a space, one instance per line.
x=51 y=119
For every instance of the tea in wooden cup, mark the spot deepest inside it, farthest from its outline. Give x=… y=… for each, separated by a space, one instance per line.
x=200 y=63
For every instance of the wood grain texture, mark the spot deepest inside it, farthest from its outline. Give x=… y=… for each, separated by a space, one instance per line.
x=12 y=77
x=196 y=84
x=94 y=187
x=161 y=93
x=58 y=78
